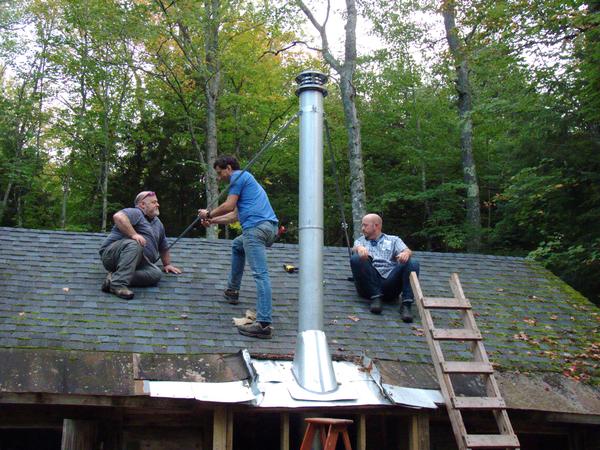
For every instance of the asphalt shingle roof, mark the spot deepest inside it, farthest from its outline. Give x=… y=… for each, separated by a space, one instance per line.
x=50 y=298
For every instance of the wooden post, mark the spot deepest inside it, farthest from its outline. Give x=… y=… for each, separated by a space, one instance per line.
x=284 y=431
x=418 y=436
x=222 y=429
x=79 y=435
x=361 y=433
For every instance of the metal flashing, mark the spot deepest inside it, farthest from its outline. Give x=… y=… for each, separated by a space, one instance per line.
x=275 y=387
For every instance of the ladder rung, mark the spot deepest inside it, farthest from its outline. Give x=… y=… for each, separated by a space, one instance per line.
x=459 y=334
x=446 y=303
x=491 y=441
x=479 y=403
x=467 y=367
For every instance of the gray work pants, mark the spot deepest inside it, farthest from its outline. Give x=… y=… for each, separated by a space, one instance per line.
x=125 y=259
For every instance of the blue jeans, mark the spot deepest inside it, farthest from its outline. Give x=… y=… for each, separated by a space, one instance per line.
x=252 y=244
x=369 y=283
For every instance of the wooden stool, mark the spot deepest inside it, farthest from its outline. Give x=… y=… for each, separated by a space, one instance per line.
x=329 y=438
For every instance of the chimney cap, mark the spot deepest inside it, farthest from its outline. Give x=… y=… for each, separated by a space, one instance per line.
x=311 y=80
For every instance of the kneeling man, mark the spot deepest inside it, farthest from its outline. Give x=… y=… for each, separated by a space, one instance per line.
x=134 y=244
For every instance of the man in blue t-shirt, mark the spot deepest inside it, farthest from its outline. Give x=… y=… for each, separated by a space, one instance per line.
x=381 y=265
x=134 y=244
x=247 y=202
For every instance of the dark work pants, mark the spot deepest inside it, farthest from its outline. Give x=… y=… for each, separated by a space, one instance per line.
x=369 y=283
x=125 y=259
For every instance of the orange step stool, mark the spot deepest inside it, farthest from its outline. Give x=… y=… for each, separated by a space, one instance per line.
x=329 y=430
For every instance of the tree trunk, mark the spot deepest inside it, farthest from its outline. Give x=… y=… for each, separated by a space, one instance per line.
x=346 y=71
x=465 y=109
x=5 y=200
x=212 y=94
x=357 y=173
x=104 y=173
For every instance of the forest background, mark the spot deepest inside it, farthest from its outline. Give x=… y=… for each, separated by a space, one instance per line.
x=473 y=126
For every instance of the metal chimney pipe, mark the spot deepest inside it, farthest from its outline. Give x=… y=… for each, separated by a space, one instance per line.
x=312 y=365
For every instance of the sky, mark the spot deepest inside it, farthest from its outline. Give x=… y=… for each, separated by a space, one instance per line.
x=335 y=28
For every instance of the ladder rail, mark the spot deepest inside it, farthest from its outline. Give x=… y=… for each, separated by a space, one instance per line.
x=479 y=365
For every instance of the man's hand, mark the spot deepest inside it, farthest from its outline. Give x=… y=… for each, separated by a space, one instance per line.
x=139 y=239
x=203 y=213
x=362 y=252
x=206 y=223
x=404 y=256
x=169 y=268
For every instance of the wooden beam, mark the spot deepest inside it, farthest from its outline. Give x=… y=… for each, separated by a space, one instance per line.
x=361 y=433
x=229 y=429
x=284 y=431
x=79 y=435
x=418 y=435
x=221 y=440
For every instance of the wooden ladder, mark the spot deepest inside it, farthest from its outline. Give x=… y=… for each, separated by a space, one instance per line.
x=478 y=366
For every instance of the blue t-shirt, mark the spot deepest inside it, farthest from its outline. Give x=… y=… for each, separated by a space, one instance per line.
x=153 y=231
x=253 y=204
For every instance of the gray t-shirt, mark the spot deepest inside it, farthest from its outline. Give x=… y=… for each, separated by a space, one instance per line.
x=383 y=251
x=153 y=231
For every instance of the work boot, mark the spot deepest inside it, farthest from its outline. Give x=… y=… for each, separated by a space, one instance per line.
x=232 y=296
x=255 y=329
x=122 y=292
x=406 y=313
x=106 y=283
x=376 y=306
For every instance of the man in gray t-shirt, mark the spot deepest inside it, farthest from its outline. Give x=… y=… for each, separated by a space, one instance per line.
x=135 y=243
x=381 y=266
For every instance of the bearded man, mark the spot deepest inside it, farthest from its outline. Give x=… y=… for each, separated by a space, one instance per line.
x=134 y=245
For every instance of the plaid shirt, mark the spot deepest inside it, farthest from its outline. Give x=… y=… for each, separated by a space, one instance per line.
x=383 y=251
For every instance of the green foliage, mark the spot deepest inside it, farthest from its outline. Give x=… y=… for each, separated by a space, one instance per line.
x=117 y=89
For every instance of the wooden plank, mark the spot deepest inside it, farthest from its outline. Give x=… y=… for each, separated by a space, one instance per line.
x=220 y=428
x=491 y=441
x=479 y=403
x=458 y=334
x=446 y=303
x=467 y=367
x=79 y=434
x=418 y=438
x=284 y=440
x=361 y=433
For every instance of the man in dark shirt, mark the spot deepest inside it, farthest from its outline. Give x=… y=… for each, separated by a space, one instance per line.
x=135 y=243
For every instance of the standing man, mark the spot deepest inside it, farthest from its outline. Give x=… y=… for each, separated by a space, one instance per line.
x=133 y=246
x=381 y=266
x=247 y=202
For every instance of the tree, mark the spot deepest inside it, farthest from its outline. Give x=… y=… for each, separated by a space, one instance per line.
x=346 y=69
x=465 y=111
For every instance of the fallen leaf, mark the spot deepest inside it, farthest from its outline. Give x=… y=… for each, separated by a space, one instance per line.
x=66 y=289
x=353 y=318
x=521 y=336
x=184 y=316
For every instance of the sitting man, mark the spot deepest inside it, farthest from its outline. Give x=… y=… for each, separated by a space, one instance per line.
x=133 y=246
x=381 y=267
